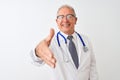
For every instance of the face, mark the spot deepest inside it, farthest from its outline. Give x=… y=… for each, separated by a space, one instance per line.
x=66 y=20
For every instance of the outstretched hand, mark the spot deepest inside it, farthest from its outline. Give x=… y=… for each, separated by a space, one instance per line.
x=42 y=50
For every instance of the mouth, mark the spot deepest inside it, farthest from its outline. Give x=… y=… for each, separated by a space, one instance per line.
x=66 y=25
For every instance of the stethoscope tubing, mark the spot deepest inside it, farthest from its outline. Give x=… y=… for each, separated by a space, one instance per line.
x=66 y=39
x=58 y=38
x=85 y=49
x=81 y=39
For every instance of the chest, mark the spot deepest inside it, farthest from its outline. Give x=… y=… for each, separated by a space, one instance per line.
x=63 y=56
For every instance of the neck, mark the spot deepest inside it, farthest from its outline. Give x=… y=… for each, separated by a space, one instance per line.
x=69 y=33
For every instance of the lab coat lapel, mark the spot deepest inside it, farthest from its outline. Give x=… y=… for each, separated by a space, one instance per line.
x=79 y=50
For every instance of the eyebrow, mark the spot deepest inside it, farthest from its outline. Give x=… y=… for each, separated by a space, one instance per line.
x=66 y=15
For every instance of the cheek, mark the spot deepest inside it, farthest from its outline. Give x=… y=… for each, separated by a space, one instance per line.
x=74 y=21
x=58 y=22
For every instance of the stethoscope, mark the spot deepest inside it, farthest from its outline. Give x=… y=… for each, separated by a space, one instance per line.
x=85 y=48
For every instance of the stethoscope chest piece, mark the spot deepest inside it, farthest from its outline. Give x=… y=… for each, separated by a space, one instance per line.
x=66 y=59
x=85 y=48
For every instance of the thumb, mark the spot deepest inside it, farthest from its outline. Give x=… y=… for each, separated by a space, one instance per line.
x=50 y=36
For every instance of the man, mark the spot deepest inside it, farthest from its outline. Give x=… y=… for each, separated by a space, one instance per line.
x=80 y=65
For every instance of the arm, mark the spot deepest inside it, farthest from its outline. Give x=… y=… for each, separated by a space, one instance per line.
x=93 y=69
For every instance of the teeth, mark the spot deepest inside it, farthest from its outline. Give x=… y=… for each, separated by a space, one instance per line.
x=66 y=25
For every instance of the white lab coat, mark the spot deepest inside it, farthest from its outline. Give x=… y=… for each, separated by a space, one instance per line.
x=65 y=69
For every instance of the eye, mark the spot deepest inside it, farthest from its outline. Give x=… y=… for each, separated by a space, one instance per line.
x=70 y=16
x=60 y=17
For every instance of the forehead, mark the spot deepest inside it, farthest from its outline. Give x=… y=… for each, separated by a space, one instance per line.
x=65 y=10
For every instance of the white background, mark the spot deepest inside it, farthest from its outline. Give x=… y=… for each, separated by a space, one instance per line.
x=23 y=23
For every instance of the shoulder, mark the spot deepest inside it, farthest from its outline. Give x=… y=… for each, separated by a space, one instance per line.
x=85 y=39
x=83 y=36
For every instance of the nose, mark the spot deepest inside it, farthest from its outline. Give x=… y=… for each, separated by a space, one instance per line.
x=65 y=19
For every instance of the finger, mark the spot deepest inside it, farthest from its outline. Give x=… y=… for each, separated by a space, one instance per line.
x=50 y=36
x=47 y=54
x=52 y=60
x=43 y=48
x=49 y=63
x=49 y=60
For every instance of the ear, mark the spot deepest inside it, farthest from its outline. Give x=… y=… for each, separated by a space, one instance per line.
x=75 y=20
x=56 y=21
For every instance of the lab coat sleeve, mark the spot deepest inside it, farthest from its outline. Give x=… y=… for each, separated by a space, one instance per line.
x=93 y=74
x=93 y=69
x=35 y=60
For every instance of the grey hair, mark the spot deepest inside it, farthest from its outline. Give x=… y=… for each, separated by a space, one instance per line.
x=66 y=6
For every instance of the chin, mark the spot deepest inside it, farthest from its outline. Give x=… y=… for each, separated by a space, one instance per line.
x=67 y=32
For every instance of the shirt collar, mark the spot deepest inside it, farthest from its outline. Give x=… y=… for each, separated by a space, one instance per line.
x=65 y=35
